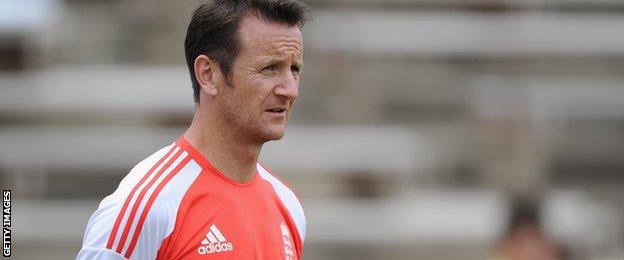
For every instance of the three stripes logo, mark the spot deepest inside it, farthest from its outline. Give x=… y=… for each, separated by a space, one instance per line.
x=214 y=242
x=128 y=226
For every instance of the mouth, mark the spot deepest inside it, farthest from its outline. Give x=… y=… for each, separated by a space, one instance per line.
x=276 y=110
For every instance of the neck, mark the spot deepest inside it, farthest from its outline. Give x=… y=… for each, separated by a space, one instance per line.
x=234 y=157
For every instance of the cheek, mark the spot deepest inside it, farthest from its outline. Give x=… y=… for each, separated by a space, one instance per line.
x=254 y=91
x=260 y=91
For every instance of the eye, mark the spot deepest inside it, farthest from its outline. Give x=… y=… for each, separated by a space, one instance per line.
x=295 y=69
x=271 y=67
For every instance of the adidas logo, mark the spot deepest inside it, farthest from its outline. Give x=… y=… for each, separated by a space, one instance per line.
x=214 y=242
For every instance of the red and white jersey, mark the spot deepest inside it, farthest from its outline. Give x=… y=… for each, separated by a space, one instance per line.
x=176 y=205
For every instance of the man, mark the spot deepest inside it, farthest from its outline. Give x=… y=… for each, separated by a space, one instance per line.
x=525 y=238
x=206 y=196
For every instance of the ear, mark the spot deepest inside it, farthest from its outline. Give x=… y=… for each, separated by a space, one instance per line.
x=207 y=74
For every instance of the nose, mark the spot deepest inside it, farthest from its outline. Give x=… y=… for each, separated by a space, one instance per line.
x=288 y=86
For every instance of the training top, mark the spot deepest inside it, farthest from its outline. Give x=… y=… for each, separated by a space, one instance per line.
x=176 y=205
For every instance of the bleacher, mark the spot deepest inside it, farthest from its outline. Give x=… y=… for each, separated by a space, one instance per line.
x=417 y=123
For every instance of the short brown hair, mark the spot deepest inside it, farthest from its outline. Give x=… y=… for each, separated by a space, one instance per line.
x=214 y=26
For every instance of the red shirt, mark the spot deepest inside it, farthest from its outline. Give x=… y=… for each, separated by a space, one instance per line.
x=176 y=205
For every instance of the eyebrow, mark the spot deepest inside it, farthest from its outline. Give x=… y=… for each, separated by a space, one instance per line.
x=273 y=60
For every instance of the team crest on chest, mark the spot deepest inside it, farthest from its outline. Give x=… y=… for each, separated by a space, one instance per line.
x=289 y=252
x=214 y=242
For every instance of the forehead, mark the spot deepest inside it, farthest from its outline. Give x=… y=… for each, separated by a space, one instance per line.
x=269 y=38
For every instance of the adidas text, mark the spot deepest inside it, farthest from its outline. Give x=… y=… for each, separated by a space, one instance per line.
x=215 y=248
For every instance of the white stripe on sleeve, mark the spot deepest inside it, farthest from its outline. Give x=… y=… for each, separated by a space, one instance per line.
x=288 y=198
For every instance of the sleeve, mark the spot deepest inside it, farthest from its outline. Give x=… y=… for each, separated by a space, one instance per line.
x=289 y=200
x=134 y=221
x=87 y=253
x=108 y=236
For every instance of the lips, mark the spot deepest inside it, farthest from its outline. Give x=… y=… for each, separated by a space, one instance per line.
x=276 y=110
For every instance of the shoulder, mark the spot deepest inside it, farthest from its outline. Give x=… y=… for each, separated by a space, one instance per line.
x=288 y=198
x=142 y=211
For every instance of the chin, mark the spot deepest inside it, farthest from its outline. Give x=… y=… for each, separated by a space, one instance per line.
x=273 y=134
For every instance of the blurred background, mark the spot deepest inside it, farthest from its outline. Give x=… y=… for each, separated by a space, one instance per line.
x=425 y=129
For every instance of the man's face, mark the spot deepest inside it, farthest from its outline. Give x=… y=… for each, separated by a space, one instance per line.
x=264 y=80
